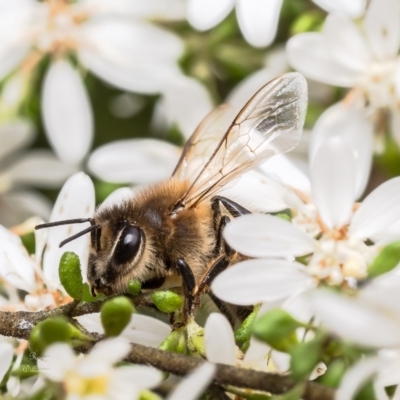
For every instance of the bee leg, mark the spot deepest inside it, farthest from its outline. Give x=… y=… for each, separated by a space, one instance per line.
x=234 y=209
x=189 y=285
x=219 y=265
x=224 y=209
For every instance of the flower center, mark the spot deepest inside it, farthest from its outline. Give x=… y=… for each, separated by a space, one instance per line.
x=334 y=261
x=58 y=33
x=76 y=384
x=377 y=84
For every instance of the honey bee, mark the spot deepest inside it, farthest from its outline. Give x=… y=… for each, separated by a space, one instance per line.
x=170 y=233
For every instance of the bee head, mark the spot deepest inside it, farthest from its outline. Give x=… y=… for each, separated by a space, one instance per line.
x=115 y=247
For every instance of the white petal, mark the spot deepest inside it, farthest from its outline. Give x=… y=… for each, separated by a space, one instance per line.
x=219 y=340
x=150 y=9
x=76 y=200
x=353 y=8
x=140 y=376
x=256 y=356
x=333 y=182
x=129 y=54
x=194 y=384
x=382 y=27
x=49 y=364
x=309 y=54
x=257 y=193
x=186 y=103
x=67 y=113
x=91 y=322
x=117 y=197
x=378 y=210
x=357 y=320
x=352 y=126
x=109 y=351
x=205 y=14
x=134 y=161
x=146 y=330
x=345 y=42
x=15 y=135
x=6 y=356
x=242 y=92
x=267 y=236
x=255 y=281
x=16 y=267
x=258 y=20
x=286 y=171
x=18 y=206
x=356 y=376
x=40 y=168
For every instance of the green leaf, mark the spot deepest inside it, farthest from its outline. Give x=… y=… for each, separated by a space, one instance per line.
x=70 y=274
x=167 y=301
x=304 y=358
x=386 y=260
x=134 y=287
x=278 y=329
x=54 y=330
x=116 y=314
x=334 y=373
x=175 y=341
x=243 y=333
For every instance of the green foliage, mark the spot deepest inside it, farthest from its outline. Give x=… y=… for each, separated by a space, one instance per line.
x=116 y=314
x=87 y=295
x=243 y=333
x=304 y=358
x=70 y=274
x=278 y=329
x=175 y=341
x=167 y=301
x=334 y=373
x=134 y=287
x=53 y=330
x=386 y=260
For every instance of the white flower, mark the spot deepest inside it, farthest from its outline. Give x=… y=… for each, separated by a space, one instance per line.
x=141 y=329
x=6 y=357
x=113 y=41
x=338 y=255
x=194 y=384
x=365 y=60
x=18 y=170
x=371 y=318
x=258 y=20
x=95 y=374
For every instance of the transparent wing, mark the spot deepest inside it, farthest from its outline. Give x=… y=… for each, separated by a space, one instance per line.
x=270 y=123
x=204 y=141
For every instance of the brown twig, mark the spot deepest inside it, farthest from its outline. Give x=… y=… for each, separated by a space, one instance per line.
x=19 y=325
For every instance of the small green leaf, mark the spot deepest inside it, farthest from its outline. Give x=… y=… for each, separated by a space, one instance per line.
x=54 y=330
x=167 y=301
x=116 y=314
x=278 y=329
x=304 y=358
x=147 y=395
x=386 y=260
x=175 y=341
x=134 y=287
x=243 y=333
x=334 y=373
x=70 y=274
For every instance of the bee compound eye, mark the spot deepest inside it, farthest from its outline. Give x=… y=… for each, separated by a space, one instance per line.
x=128 y=244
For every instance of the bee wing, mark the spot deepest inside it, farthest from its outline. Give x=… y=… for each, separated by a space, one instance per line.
x=270 y=123
x=203 y=142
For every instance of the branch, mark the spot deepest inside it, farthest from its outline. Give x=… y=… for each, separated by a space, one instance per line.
x=19 y=325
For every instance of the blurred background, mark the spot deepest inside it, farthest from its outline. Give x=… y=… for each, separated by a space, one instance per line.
x=78 y=77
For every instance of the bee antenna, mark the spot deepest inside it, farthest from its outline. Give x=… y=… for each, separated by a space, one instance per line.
x=66 y=222
x=79 y=234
